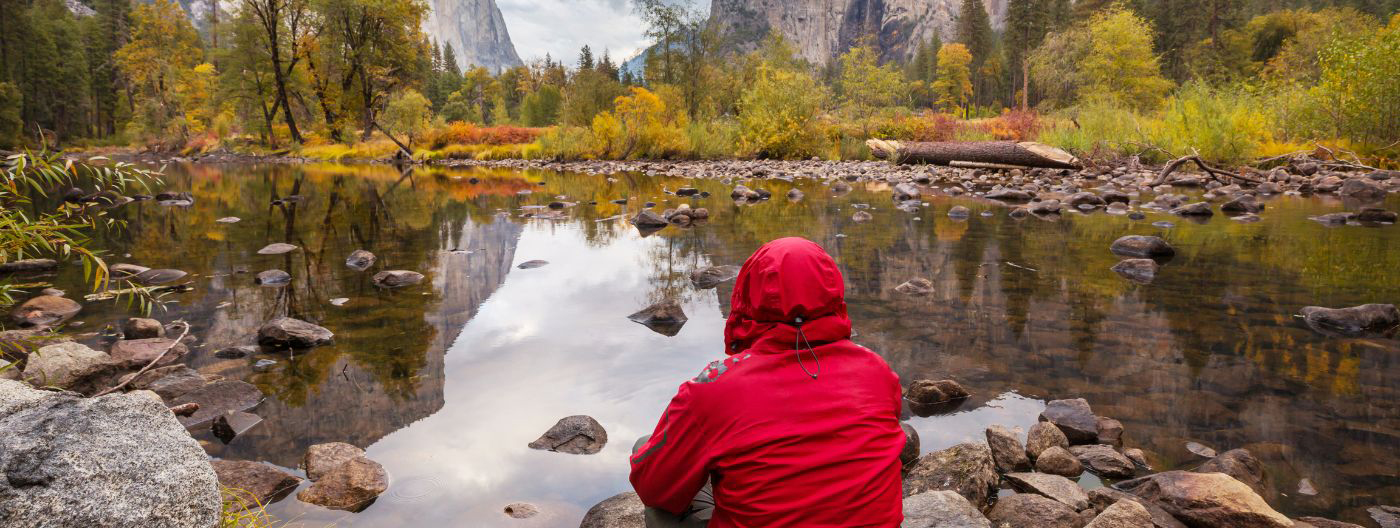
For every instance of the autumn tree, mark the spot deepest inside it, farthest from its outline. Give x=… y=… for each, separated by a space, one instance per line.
x=373 y=40
x=1108 y=59
x=974 y=30
x=954 y=84
x=865 y=84
x=162 y=53
x=283 y=23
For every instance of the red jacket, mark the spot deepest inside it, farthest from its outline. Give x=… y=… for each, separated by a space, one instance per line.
x=808 y=444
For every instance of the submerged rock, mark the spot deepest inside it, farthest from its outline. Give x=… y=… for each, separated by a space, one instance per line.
x=930 y=392
x=959 y=212
x=351 y=486
x=1142 y=246
x=964 y=468
x=156 y=277
x=320 y=459
x=1139 y=270
x=624 y=510
x=575 y=435
x=1195 y=209
x=396 y=278
x=217 y=398
x=1010 y=195
x=1375 y=216
x=861 y=216
x=910 y=454
x=1367 y=319
x=277 y=248
x=649 y=219
x=710 y=277
x=359 y=260
x=1206 y=499
x=286 y=332
x=1028 y=509
x=231 y=424
x=117 y=460
x=254 y=484
x=167 y=382
x=665 y=317
x=273 y=277
x=1244 y=204
x=941 y=509
x=45 y=310
x=228 y=220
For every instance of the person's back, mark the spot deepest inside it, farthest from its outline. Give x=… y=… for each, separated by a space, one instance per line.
x=798 y=426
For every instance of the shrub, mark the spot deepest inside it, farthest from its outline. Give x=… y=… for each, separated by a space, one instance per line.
x=1223 y=125
x=778 y=115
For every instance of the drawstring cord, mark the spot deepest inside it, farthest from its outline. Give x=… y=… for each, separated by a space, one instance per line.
x=799 y=343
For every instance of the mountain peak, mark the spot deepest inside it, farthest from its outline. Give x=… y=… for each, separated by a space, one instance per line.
x=476 y=30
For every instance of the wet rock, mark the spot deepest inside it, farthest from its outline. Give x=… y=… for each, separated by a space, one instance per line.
x=1110 y=432
x=665 y=317
x=264 y=365
x=1103 y=498
x=741 y=192
x=1009 y=195
x=1074 y=418
x=794 y=195
x=1137 y=215
x=916 y=286
x=1206 y=499
x=351 y=486
x=906 y=191
x=217 y=398
x=710 y=277
x=1241 y=465
x=575 y=435
x=1195 y=209
x=1113 y=197
x=1243 y=204
x=959 y=211
x=1142 y=246
x=964 y=468
x=1318 y=522
x=157 y=277
x=1376 y=216
x=235 y=352
x=1200 y=450
x=521 y=510
x=1362 y=189
x=1007 y=451
x=15 y=345
x=28 y=266
x=1367 y=319
x=167 y=382
x=285 y=332
x=532 y=264
x=687 y=191
x=254 y=483
x=1104 y=461
x=117 y=460
x=624 y=510
x=137 y=353
x=1122 y=514
x=277 y=248
x=359 y=260
x=1136 y=455
x=123 y=271
x=910 y=454
x=941 y=509
x=320 y=459
x=273 y=277
x=1019 y=212
x=1061 y=489
x=1045 y=207
x=1139 y=270
x=229 y=425
x=71 y=366
x=396 y=278
x=142 y=328
x=1085 y=198
x=1042 y=436
x=649 y=220
x=1331 y=219
x=45 y=310
x=1055 y=460
x=1386 y=516
x=861 y=216
x=228 y=220
x=1028 y=509
x=929 y=392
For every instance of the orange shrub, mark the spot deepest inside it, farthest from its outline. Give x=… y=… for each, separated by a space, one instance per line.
x=462 y=133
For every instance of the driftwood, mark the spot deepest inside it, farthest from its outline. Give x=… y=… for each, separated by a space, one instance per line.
x=1215 y=173
x=148 y=366
x=996 y=154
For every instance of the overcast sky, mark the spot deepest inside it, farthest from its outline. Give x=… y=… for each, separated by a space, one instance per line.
x=561 y=27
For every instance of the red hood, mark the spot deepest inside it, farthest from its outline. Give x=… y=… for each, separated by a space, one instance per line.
x=786 y=279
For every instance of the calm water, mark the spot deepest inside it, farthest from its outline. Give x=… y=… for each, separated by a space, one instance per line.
x=445 y=383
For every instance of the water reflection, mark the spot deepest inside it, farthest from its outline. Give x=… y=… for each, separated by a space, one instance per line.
x=445 y=383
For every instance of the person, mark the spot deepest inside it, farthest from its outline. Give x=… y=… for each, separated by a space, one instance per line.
x=798 y=426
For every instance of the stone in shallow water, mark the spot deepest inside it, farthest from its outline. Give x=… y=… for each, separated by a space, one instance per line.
x=1122 y=514
x=1007 y=451
x=1141 y=246
x=28 y=265
x=1074 y=418
x=665 y=317
x=320 y=459
x=1139 y=270
x=137 y=353
x=218 y=398
x=915 y=286
x=1028 y=509
x=252 y=483
x=142 y=328
x=397 y=278
x=1104 y=461
x=1356 y=321
x=624 y=510
x=351 y=486
x=156 y=277
x=339 y=301
x=712 y=276
x=277 y=248
x=359 y=260
x=1059 y=488
x=286 y=332
x=1042 y=436
x=45 y=310
x=1206 y=499
x=575 y=435
x=1055 y=460
x=273 y=277
x=228 y=220
x=229 y=425
x=941 y=509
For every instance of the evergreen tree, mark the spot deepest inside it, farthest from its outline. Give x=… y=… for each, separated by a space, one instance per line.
x=585 y=58
x=1027 y=21
x=606 y=66
x=974 y=30
x=449 y=61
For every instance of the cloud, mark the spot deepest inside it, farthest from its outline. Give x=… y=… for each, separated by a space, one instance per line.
x=561 y=27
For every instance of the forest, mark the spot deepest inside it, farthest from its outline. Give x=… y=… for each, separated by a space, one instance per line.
x=358 y=79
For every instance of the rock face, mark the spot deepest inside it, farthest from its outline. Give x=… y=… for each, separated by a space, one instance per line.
x=351 y=486
x=941 y=509
x=476 y=31
x=1074 y=418
x=1059 y=488
x=286 y=332
x=1207 y=499
x=1353 y=321
x=624 y=510
x=118 y=460
x=254 y=483
x=964 y=468
x=1028 y=509
x=1007 y=451
x=576 y=435
x=71 y=366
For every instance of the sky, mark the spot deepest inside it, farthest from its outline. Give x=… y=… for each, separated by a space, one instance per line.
x=561 y=27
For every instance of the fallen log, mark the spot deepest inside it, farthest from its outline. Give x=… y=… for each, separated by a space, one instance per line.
x=995 y=153
x=1217 y=174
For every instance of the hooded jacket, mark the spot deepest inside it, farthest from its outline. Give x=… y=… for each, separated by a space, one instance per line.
x=793 y=428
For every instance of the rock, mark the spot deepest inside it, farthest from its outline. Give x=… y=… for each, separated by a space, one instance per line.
x=1110 y=432
x=396 y=278
x=910 y=454
x=1085 y=198
x=285 y=332
x=1061 y=489
x=1019 y=212
x=137 y=353
x=1362 y=189
x=1042 y=436
x=28 y=265
x=647 y=221
x=1356 y=321
x=1074 y=418
x=45 y=310
x=575 y=435
x=958 y=211
x=1206 y=499
x=1139 y=270
x=123 y=271
x=1031 y=510
x=521 y=510
x=15 y=345
x=167 y=382
x=1195 y=209
x=915 y=286
x=1055 y=460
x=794 y=194
x=359 y=260
x=252 y=483
x=1103 y=498
x=532 y=264
x=273 y=277
x=229 y=425
x=1200 y=450
x=1375 y=216
x=1007 y=451
x=712 y=276
x=665 y=317
x=687 y=191
x=351 y=486
x=1318 y=522
x=70 y=366
x=906 y=191
x=217 y=398
x=228 y=220
x=1386 y=516
x=1240 y=464
x=1141 y=246
x=624 y=510
x=964 y=468
x=277 y=248
x=1104 y=461
x=941 y=509
x=117 y=460
x=320 y=459
x=741 y=192
x=840 y=187
x=235 y=352
x=1009 y=195
x=929 y=392
x=1116 y=197
x=861 y=216
x=1045 y=207
x=1122 y=514
x=156 y=277
x=142 y=328
x=1331 y=219
x=1244 y=204
x=1136 y=455
x=264 y=365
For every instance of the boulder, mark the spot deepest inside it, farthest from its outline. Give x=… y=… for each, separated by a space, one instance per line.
x=273 y=277
x=958 y=211
x=1104 y=461
x=15 y=345
x=351 y=486
x=1110 y=432
x=45 y=310
x=1385 y=516
x=1137 y=456
x=167 y=382
x=1042 y=436
x=665 y=317
x=1139 y=270
x=932 y=392
x=1355 y=321
x=1074 y=418
x=253 y=484
x=1319 y=522
x=1061 y=489
x=1056 y=460
x=1122 y=514
x=142 y=328
x=1085 y=198
x=1101 y=499
x=915 y=286
x=575 y=435
x=396 y=278
x=624 y=510
x=1031 y=510
x=1206 y=499
x=285 y=332
x=1194 y=209
x=137 y=353
x=217 y=398
x=28 y=266
x=712 y=276
x=69 y=366
x=320 y=459
x=1009 y=195
x=359 y=260
x=1245 y=203
x=1240 y=464
x=277 y=248
x=1375 y=216
x=964 y=468
x=910 y=454
x=1007 y=451
x=117 y=460
x=941 y=509
x=1142 y=246
x=649 y=220
x=1045 y=207
x=1362 y=189
x=1331 y=219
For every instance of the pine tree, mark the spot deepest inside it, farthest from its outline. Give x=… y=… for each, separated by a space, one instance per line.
x=606 y=66
x=974 y=30
x=1026 y=24
x=585 y=58
x=449 y=61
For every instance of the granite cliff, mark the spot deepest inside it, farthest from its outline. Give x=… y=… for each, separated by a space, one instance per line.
x=476 y=31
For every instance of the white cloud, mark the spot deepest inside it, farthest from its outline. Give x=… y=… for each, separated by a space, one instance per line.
x=561 y=27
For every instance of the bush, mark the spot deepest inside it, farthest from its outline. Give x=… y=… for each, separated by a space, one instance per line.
x=462 y=133
x=1223 y=125
x=778 y=115
x=407 y=113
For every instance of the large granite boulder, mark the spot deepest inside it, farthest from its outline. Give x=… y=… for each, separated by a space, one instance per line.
x=1059 y=488
x=1007 y=451
x=1238 y=463
x=941 y=509
x=320 y=459
x=1207 y=499
x=965 y=468
x=117 y=460
x=1030 y=510
x=1055 y=460
x=1042 y=436
x=286 y=332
